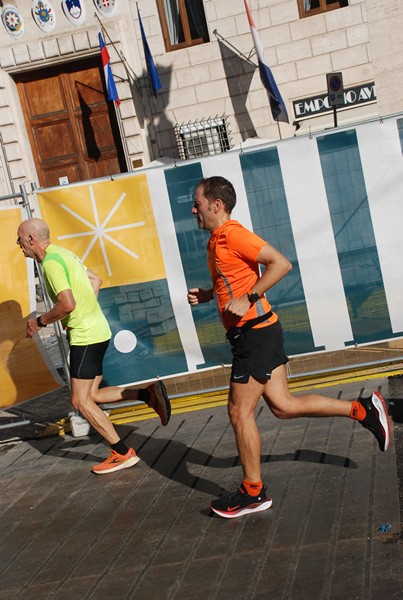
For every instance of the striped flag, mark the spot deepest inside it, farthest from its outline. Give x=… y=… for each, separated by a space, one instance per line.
x=106 y=63
x=278 y=109
x=152 y=71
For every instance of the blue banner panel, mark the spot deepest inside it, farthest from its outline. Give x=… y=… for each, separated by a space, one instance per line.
x=145 y=341
x=354 y=237
x=271 y=221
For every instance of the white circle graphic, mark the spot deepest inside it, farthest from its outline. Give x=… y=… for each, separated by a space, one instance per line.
x=125 y=341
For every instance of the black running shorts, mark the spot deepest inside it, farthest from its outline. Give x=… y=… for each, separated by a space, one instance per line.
x=86 y=361
x=257 y=352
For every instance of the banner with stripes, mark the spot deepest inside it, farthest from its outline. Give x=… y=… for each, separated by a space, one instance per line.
x=331 y=203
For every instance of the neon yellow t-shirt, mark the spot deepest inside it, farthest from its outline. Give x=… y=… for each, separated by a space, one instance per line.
x=63 y=270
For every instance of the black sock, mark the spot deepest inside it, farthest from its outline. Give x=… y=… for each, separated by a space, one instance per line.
x=143 y=395
x=120 y=447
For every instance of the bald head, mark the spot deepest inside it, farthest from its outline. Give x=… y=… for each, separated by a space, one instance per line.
x=33 y=238
x=36 y=227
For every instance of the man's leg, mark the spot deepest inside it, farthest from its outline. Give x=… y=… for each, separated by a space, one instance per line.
x=370 y=412
x=242 y=401
x=251 y=496
x=155 y=395
x=115 y=394
x=285 y=405
x=86 y=364
x=82 y=391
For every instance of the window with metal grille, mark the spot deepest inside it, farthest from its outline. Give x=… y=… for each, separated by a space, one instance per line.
x=203 y=138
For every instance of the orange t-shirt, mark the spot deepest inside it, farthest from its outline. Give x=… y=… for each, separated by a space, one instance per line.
x=232 y=251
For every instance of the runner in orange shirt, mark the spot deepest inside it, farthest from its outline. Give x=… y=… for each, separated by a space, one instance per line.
x=254 y=331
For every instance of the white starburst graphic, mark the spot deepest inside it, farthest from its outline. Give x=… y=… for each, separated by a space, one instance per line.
x=100 y=231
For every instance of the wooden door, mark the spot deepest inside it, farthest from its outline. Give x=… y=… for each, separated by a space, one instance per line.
x=72 y=128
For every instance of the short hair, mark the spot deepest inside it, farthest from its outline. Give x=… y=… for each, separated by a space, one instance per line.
x=219 y=187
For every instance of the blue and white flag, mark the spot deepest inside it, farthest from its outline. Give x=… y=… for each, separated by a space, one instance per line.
x=151 y=68
x=278 y=109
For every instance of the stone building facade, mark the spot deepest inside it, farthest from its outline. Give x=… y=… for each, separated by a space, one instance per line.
x=211 y=90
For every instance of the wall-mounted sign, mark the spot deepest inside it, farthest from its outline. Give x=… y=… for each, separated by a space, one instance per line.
x=74 y=11
x=43 y=15
x=318 y=105
x=12 y=21
x=105 y=7
x=335 y=89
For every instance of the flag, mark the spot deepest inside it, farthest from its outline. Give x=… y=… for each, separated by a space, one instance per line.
x=278 y=109
x=106 y=63
x=152 y=71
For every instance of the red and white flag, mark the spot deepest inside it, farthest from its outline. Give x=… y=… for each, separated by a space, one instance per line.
x=278 y=109
x=106 y=63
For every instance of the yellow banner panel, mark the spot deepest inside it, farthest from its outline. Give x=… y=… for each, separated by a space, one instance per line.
x=24 y=370
x=110 y=226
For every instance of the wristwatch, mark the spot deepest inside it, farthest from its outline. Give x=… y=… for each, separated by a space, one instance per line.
x=39 y=322
x=253 y=297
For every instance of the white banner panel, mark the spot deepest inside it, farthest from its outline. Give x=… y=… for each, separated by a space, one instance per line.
x=174 y=270
x=382 y=162
x=314 y=241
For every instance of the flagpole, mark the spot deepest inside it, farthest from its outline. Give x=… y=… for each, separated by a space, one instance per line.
x=218 y=35
x=124 y=140
x=155 y=85
x=112 y=95
x=279 y=130
x=277 y=106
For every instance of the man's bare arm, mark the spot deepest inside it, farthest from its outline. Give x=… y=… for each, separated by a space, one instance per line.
x=276 y=267
x=65 y=304
x=96 y=281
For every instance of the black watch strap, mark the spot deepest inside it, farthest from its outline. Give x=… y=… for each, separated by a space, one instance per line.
x=253 y=297
x=39 y=322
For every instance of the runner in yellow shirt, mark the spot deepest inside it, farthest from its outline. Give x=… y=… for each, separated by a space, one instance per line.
x=74 y=290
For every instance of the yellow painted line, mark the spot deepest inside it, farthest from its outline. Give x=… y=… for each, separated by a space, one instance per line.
x=214 y=399
x=182 y=405
x=297 y=386
x=193 y=403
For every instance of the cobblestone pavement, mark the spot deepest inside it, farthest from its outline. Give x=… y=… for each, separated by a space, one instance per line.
x=334 y=531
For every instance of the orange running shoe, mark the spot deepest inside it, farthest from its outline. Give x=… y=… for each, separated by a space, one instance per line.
x=159 y=401
x=116 y=462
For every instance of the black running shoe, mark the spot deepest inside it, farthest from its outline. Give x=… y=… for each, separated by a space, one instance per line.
x=377 y=419
x=241 y=503
x=159 y=401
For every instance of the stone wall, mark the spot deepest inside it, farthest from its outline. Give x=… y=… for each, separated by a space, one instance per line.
x=361 y=40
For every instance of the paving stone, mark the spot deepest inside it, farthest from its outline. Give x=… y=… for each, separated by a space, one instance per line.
x=148 y=532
